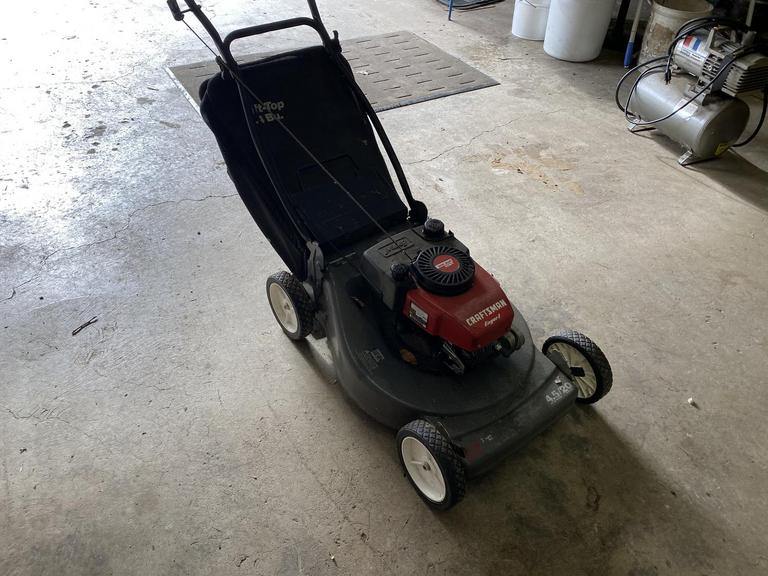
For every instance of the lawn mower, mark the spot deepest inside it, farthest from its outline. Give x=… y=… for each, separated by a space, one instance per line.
x=422 y=337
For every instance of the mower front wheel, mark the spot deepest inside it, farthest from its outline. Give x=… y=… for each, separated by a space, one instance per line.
x=291 y=305
x=583 y=362
x=431 y=464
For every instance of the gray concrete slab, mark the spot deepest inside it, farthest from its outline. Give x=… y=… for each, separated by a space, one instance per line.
x=182 y=434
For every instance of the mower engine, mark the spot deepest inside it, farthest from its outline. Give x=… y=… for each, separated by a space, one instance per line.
x=449 y=311
x=699 y=105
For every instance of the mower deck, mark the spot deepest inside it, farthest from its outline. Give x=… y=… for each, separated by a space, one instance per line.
x=491 y=410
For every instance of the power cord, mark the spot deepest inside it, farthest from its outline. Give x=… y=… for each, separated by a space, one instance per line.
x=685 y=30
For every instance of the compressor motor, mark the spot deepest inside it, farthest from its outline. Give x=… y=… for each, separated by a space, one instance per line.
x=694 y=94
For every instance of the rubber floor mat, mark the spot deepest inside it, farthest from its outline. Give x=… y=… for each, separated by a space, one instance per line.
x=394 y=69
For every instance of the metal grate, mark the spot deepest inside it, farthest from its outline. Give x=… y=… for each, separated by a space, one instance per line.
x=395 y=69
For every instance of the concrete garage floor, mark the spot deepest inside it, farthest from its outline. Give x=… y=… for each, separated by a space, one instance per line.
x=183 y=434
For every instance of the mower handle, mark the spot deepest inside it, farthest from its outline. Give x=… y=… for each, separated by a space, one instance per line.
x=418 y=209
x=223 y=46
x=272 y=27
x=173 y=6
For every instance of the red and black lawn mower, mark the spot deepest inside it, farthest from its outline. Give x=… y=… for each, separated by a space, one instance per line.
x=422 y=337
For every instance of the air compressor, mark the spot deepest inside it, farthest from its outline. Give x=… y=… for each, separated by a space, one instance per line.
x=694 y=94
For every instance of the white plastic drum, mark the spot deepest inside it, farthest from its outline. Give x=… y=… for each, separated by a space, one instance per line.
x=530 y=19
x=576 y=29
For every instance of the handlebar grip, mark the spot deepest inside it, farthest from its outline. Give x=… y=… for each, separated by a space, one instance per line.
x=173 y=6
x=269 y=27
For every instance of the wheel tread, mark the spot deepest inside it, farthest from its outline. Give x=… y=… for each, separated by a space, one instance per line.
x=305 y=309
x=444 y=453
x=595 y=355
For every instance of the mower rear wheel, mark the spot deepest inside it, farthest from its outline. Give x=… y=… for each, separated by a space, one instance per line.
x=291 y=305
x=432 y=465
x=583 y=362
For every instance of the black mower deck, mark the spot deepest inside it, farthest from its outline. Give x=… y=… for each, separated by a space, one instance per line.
x=493 y=409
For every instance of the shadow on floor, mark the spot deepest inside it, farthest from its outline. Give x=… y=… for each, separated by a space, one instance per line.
x=579 y=499
x=742 y=178
x=745 y=180
x=318 y=361
x=318 y=358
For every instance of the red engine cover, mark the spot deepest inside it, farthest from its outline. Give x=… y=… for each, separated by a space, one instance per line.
x=471 y=320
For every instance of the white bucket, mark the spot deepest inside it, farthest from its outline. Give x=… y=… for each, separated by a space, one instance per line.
x=666 y=18
x=576 y=29
x=529 y=20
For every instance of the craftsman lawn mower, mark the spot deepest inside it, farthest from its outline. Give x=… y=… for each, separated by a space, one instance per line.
x=422 y=337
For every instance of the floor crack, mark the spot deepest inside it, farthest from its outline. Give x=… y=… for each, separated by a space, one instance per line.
x=16 y=416
x=471 y=140
x=114 y=236
x=464 y=145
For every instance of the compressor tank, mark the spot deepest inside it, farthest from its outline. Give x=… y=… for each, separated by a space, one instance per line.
x=706 y=130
